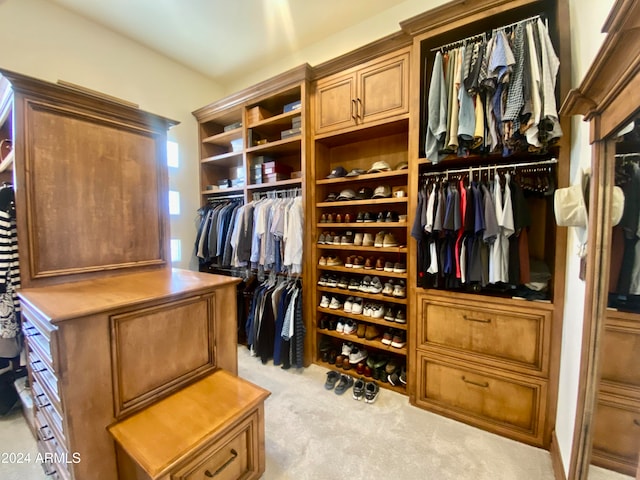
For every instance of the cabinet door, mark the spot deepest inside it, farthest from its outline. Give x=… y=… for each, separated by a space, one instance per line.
x=383 y=89
x=335 y=103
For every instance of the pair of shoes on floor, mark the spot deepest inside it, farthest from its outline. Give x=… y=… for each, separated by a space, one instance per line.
x=340 y=381
x=367 y=390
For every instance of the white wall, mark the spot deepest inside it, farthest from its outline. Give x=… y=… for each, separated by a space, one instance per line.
x=45 y=41
x=587 y=18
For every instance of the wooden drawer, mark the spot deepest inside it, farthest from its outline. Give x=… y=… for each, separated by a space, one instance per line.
x=232 y=457
x=45 y=378
x=621 y=350
x=616 y=433
x=495 y=334
x=53 y=454
x=502 y=402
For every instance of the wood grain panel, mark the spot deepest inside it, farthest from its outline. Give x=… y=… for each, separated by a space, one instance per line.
x=621 y=351
x=384 y=89
x=508 y=335
x=92 y=191
x=334 y=103
x=160 y=348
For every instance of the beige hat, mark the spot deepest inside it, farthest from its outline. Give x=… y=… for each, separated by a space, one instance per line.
x=617 y=205
x=569 y=206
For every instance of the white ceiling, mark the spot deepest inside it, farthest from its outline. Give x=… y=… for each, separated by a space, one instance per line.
x=219 y=38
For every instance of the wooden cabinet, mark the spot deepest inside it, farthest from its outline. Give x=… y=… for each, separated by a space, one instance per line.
x=374 y=91
x=485 y=363
x=102 y=349
x=228 y=437
x=616 y=431
x=373 y=98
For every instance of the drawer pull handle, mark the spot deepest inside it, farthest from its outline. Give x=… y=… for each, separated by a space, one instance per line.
x=44 y=436
x=354 y=109
x=40 y=403
x=359 y=110
x=33 y=366
x=208 y=474
x=477 y=384
x=479 y=320
x=637 y=422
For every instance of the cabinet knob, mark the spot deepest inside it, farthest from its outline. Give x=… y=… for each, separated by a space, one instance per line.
x=233 y=453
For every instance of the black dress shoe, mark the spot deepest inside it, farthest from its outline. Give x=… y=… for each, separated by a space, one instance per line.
x=381 y=217
x=369 y=217
x=360 y=217
x=391 y=217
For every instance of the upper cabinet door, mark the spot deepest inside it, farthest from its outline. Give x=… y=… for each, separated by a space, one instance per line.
x=373 y=91
x=336 y=102
x=384 y=89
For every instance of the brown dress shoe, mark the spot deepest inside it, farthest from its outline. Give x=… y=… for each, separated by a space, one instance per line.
x=347 y=218
x=339 y=218
x=369 y=264
x=380 y=263
x=361 y=330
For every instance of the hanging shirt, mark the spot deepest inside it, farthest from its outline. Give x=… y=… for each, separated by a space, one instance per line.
x=437 y=111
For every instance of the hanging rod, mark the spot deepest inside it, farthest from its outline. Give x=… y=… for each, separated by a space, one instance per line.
x=626 y=155
x=221 y=198
x=297 y=191
x=490 y=167
x=474 y=38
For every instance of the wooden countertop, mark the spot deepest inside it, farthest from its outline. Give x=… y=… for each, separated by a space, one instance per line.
x=72 y=300
x=161 y=435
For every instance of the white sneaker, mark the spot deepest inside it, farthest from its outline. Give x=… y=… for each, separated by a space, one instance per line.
x=356 y=307
x=377 y=311
x=346 y=348
x=375 y=286
x=399 y=290
x=366 y=311
x=348 y=305
x=357 y=355
x=340 y=325
x=335 y=304
x=324 y=302
x=350 y=327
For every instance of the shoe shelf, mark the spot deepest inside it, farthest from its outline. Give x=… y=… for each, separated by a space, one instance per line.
x=364 y=176
x=352 y=372
x=369 y=203
x=353 y=338
x=363 y=271
x=361 y=318
x=357 y=293
x=362 y=249
x=382 y=225
x=278 y=122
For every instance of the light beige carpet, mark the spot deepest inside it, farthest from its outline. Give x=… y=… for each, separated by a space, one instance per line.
x=314 y=434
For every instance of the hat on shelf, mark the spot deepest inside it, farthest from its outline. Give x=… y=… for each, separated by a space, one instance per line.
x=379 y=166
x=365 y=193
x=402 y=165
x=399 y=192
x=337 y=173
x=347 y=194
x=331 y=197
x=382 y=191
x=356 y=171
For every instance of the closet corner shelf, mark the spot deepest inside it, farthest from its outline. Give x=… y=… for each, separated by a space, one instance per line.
x=284 y=119
x=350 y=337
x=223 y=158
x=224 y=138
x=352 y=372
x=363 y=271
x=370 y=202
x=364 y=176
x=271 y=185
x=381 y=225
x=288 y=145
x=371 y=296
x=360 y=248
x=223 y=192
